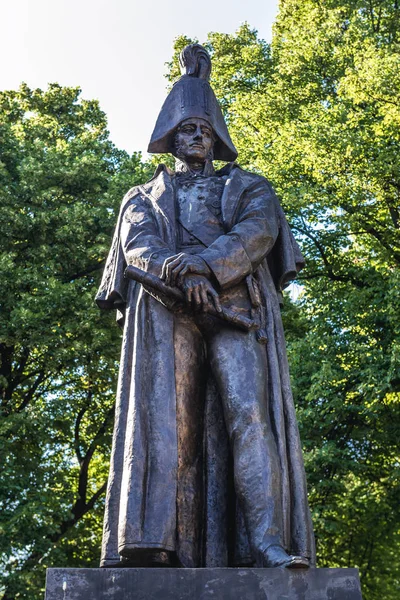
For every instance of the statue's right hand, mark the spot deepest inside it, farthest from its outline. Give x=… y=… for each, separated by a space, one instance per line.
x=182 y=264
x=199 y=292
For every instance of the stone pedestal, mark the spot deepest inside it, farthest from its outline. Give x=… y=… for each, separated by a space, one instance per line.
x=196 y=584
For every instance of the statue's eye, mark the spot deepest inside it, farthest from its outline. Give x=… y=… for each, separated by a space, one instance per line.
x=188 y=129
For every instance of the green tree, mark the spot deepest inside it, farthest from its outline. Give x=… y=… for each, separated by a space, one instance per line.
x=336 y=73
x=61 y=183
x=318 y=113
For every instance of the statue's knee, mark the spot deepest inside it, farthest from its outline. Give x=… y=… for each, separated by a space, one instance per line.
x=247 y=424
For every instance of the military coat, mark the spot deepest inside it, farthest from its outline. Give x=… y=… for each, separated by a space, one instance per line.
x=141 y=497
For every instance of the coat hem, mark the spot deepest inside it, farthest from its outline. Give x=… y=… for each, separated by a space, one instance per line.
x=110 y=562
x=141 y=545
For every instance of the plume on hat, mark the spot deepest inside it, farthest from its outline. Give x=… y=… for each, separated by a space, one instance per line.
x=194 y=60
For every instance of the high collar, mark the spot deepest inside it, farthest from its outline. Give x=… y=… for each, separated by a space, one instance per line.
x=164 y=171
x=183 y=170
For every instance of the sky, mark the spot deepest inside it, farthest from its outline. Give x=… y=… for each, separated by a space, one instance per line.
x=115 y=51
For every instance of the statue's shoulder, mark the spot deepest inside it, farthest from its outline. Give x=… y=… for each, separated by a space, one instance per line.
x=162 y=173
x=247 y=179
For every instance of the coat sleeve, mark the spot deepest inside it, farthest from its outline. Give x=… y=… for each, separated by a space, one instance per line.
x=141 y=241
x=238 y=253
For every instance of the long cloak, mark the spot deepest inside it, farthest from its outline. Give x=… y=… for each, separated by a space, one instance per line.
x=140 y=508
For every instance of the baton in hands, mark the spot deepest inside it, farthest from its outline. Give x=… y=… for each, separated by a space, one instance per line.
x=155 y=283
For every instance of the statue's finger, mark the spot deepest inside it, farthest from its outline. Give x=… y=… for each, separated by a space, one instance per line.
x=215 y=298
x=164 y=269
x=175 y=272
x=196 y=296
x=175 y=256
x=184 y=271
x=165 y=272
x=166 y=262
x=170 y=259
x=167 y=275
x=169 y=269
x=174 y=263
x=204 y=298
x=189 y=291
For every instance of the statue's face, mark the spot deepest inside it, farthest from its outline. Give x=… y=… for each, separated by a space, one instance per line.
x=194 y=140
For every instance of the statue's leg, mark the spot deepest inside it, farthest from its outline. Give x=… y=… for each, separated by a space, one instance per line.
x=239 y=365
x=190 y=394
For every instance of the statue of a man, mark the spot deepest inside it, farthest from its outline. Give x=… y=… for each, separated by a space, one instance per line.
x=206 y=467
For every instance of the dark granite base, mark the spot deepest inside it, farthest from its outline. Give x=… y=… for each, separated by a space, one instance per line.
x=196 y=584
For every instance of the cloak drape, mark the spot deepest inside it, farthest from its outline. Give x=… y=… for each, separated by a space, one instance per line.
x=141 y=497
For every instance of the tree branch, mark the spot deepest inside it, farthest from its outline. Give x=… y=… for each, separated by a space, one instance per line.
x=31 y=392
x=373 y=231
x=79 y=274
x=84 y=466
x=329 y=269
x=81 y=414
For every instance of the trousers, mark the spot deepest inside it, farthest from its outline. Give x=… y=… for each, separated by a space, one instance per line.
x=238 y=365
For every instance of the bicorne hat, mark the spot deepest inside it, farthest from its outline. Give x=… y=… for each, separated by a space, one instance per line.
x=192 y=97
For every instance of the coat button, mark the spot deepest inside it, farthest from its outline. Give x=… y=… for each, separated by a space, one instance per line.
x=201 y=197
x=235 y=237
x=215 y=203
x=155 y=255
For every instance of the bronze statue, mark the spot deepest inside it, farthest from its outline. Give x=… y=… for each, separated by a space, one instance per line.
x=206 y=467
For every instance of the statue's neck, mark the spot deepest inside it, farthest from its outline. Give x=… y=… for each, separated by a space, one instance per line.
x=204 y=169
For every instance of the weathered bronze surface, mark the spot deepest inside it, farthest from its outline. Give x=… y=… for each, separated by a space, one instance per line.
x=207 y=584
x=206 y=466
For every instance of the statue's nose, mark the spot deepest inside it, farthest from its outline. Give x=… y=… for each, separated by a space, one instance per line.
x=198 y=135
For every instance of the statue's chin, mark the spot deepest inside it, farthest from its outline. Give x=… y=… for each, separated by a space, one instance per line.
x=195 y=155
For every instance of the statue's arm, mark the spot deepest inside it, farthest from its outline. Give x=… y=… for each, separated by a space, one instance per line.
x=238 y=253
x=141 y=241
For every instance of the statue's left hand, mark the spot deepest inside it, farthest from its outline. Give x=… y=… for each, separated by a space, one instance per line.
x=182 y=264
x=199 y=292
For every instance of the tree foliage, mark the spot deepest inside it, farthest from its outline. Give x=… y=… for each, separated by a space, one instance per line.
x=61 y=181
x=318 y=113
